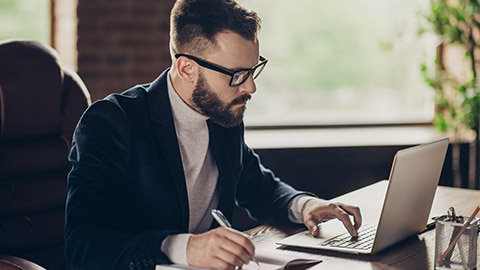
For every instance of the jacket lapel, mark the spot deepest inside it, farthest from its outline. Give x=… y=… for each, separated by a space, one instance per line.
x=166 y=138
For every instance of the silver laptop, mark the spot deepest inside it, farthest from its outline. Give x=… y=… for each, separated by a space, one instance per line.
x=406 y=206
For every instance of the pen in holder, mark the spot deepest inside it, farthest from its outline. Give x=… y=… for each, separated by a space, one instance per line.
x=456 y=241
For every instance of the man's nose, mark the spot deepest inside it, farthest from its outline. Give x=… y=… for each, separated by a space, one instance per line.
x=248 y=86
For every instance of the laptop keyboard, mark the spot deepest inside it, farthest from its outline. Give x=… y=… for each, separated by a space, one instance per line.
x=364 y=241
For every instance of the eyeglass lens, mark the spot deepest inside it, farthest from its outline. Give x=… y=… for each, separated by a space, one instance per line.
x=259 y=70
x=240 y=77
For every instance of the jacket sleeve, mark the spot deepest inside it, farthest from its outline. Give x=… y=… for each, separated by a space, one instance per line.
x=264 y=196
x=95 y=232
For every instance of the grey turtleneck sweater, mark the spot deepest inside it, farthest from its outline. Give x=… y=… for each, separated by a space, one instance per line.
x=199 y=167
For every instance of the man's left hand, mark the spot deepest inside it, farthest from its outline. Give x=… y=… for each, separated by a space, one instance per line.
x=317 y=210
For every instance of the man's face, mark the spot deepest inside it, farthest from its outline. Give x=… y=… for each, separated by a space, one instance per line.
x=227 y=114
x=213 y=95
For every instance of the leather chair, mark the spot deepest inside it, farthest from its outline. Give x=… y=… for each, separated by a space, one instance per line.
x=40 y=105
x=15 y=263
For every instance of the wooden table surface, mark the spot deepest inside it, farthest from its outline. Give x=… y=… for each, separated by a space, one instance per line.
x=416 y=252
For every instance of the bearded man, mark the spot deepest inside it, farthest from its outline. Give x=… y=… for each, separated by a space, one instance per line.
x=149 y=164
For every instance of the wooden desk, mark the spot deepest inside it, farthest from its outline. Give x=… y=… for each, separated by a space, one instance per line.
x=416 y=252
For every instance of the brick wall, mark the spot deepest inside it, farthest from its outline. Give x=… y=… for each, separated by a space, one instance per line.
x=121 y=43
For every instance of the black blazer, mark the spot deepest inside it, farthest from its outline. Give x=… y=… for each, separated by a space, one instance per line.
x=127 y=191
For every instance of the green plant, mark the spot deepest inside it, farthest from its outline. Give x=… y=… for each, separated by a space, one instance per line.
x=457 y=24
x=457 y=98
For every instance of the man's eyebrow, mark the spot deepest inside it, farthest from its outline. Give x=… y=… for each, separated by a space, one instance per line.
x=238 y=69
x=235 y=69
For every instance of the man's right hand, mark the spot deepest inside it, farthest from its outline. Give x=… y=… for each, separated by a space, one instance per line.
x=221 y=248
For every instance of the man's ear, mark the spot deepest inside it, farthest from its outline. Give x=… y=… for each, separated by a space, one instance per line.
x=187 y=70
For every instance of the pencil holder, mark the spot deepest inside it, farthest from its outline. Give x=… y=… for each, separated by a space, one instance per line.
x=464 y=253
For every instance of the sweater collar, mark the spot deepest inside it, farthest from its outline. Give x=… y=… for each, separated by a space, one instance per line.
x=183 y=114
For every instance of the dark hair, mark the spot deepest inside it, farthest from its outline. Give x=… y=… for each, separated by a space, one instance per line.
x=194 y=23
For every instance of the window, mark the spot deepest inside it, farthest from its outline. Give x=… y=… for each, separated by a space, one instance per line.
x=25 y=19
x=341 y=62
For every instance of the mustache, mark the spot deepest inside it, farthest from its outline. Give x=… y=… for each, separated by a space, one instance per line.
x=241 y=99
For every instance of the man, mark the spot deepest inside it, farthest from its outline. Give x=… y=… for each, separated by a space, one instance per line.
x=149 y=164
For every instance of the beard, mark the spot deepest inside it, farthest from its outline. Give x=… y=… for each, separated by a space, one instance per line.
x=220 y=112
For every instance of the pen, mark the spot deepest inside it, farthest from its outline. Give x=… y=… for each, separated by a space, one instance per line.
x=223 y=221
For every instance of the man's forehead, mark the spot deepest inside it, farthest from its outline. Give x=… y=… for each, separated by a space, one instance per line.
x=234 y=51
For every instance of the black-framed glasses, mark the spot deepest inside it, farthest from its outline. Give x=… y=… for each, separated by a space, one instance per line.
x=237 y=77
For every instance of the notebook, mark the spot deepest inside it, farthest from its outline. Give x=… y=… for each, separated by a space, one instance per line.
x=402 y=212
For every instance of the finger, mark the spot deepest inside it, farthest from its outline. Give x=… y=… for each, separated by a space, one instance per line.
x=236 y=250
x=312 y=226
x=355 y=212
x=240 y=239
x=230 y=258
x=221 y=264
x=236 y=243
x=345 y=219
